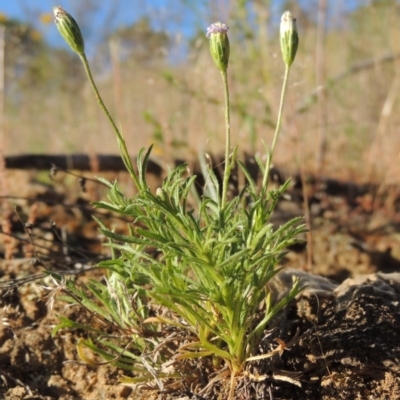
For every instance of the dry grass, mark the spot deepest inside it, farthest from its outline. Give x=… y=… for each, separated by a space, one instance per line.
x=362 y=110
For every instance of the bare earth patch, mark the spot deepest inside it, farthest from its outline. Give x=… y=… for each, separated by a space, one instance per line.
x=340 y=339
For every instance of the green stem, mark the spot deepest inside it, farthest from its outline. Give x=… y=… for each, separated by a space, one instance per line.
x=228 y=162
x=276 y=134
x=121 y=141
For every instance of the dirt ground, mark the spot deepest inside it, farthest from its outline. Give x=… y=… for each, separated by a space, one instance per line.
x=342 y=334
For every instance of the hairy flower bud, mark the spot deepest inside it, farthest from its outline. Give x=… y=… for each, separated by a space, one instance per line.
x=219 y=45
x=289 y=38
x=69 y=30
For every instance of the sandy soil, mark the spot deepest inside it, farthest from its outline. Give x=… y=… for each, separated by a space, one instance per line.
x=342 y=333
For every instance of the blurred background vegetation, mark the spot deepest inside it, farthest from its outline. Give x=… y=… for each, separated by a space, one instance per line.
x=342 y=113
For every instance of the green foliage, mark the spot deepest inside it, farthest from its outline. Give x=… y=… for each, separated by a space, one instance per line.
x=211 y=273
x=191 y=277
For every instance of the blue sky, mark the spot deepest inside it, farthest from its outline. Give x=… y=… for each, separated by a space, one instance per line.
x=126 y=9
x=174 y=16
x=167 y=14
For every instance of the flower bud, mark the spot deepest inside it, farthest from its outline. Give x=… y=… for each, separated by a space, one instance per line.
x=219 y=45
x=289 y=38
x=69 y=30
x=160 y=193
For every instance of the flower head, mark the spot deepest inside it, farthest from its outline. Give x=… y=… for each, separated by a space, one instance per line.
x=219 y=45
x=218 y=27
x=69 y=30
x=289 y=38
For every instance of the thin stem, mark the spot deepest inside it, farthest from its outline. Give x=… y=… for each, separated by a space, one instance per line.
x=276 y=134
x=121 y=141
x=228 y=162
x=232 y=386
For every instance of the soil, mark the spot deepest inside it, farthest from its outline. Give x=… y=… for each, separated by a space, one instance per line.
x=340 y=339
